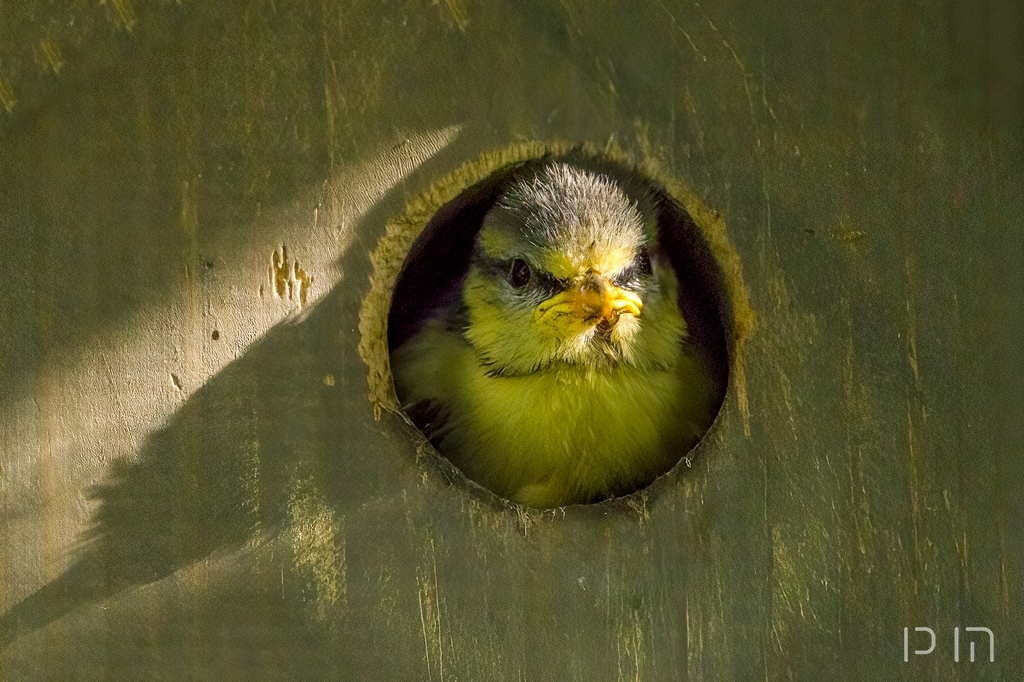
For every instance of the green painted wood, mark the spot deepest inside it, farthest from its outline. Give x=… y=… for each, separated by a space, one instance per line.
x=179 y=506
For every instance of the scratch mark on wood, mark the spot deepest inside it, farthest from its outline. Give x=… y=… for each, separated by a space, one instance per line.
x=855 y=458
x=694 y=640
x=124 y=13
x=915 y=507
x=912 y=324
x=423 y=625
x=440 y=648
x=7 y=96
x=748 y=79
x=1005 y=588
x=721 y=610
x=786 y=387
x=638 y=505
x=52 y=58
x=456 y=11
x=740 y=382
x=848 y=236
x=429 y=597
x=629 y=647
x=767 y=206
x=700 y=54
x=189 y=213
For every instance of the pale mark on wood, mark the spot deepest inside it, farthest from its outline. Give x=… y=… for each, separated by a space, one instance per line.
x=288 y=280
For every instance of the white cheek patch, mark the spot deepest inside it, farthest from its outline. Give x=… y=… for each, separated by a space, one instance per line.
x=576 y=346
x=623 y=334
x=584 y=345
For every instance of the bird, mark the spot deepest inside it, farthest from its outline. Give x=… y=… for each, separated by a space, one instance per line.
x=560 y=373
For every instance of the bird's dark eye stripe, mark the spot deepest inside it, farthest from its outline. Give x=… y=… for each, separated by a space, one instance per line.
x=494 y=266
x=544 y=281
x=643 y=262
x=549 y=284
x=636 y=270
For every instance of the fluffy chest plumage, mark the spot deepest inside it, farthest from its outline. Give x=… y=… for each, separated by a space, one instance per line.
x=591 y=432
x=567 y=431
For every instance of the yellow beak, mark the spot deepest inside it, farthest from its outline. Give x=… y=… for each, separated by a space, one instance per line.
x=591 y=299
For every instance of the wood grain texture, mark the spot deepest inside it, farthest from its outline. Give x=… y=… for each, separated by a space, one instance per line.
x=180 y=504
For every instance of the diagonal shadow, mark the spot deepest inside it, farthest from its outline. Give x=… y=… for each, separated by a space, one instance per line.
x=227 y=465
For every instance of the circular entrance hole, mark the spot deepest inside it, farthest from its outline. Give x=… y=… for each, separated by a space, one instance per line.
x=561 y=331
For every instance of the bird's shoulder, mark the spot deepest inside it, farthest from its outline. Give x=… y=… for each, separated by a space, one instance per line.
x=426 y=370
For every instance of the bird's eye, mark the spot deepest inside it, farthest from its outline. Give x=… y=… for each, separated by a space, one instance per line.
x=643 y=263
x=519 y=276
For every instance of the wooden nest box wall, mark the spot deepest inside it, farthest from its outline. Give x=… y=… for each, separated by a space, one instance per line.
x=204 y=473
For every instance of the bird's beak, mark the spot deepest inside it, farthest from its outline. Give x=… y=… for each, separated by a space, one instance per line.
x=592 y=299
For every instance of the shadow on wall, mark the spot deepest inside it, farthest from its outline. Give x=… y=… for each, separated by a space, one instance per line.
x=286 y=422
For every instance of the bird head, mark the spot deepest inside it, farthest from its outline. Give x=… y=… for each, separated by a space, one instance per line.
x=566 y=270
